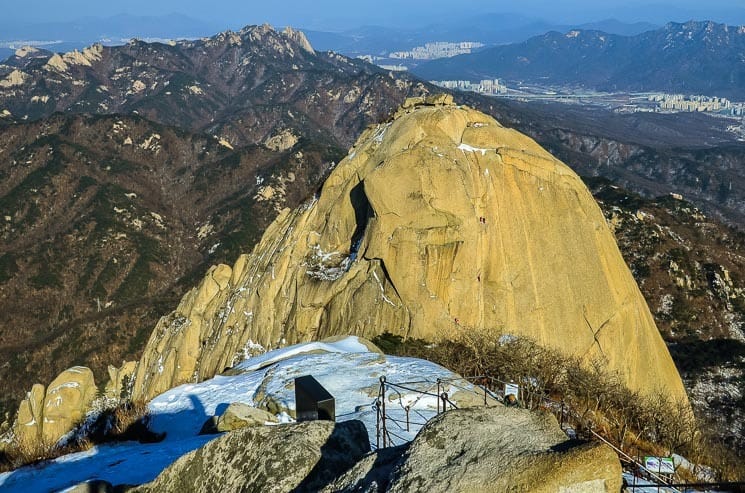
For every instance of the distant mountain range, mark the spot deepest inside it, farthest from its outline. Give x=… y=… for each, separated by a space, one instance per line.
x=203 y=85
x=489 y=29
x=92 y=29
x=61 y=37
x=692 y=58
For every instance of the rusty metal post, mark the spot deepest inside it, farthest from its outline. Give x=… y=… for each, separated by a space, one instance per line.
x=377 y=423
x=444 y=401
x=382 y=391
x=438 y=396
x=407 y=417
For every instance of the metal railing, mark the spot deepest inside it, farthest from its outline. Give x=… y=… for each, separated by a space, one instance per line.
x=483 y=386
x=435 y=389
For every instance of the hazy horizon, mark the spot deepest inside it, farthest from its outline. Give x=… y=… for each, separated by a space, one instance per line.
x=336 y=15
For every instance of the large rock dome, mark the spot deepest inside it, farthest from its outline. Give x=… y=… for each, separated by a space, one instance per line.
x=437 y=221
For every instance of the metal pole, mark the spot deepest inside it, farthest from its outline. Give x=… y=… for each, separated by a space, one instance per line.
x=444 y=401
x=438 y=393
x=382 y=390
x=407 y=417
x=377 y=423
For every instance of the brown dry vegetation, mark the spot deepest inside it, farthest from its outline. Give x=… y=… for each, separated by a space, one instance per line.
x=125 y=421
x=591 y=398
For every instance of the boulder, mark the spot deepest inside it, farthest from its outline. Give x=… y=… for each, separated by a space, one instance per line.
x=67 y=400
x=297 y=457
x=49 y=413
x=439 y=99
x=239 y=415
x=496 y=449
x=437 y=221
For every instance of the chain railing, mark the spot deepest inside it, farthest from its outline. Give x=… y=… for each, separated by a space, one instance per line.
x=434 y=389
x=389 y=429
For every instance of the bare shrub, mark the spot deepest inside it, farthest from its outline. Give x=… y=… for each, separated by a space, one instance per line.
x=597 y=399
x=128 y=420
x=125 y=421
x=20 y=453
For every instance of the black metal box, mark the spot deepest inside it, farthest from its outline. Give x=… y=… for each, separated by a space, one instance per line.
x=313 y=401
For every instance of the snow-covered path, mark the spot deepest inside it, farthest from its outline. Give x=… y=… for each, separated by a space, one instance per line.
x=346 y=368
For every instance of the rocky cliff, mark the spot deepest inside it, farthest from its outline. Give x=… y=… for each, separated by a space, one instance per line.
x=437 y=221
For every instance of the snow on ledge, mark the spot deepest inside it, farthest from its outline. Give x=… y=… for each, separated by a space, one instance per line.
x=349 y=344
x=468 y=148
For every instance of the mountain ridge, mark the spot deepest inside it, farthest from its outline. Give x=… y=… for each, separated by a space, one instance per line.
x=696 y=57
x=212 y=84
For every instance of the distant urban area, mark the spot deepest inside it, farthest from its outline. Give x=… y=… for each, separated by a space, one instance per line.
x=401 y=61
x=619 y=102
x=616 y=102
x=432 y=51
x=624 y=102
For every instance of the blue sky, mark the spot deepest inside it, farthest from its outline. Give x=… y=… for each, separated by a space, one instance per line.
x=337 y=14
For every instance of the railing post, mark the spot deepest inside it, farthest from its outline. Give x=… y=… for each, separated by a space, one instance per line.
x=407 y=417
x=438 y=396
x=382 y=391
x=377 y=423
x=444 y=401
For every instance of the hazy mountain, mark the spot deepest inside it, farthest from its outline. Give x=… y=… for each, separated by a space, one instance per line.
x=695 y=57
x=488 y=29
x=88 y=30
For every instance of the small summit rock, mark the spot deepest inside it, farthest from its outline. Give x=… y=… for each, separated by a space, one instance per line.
x=439 y=100
x=239 y=415
x=300 y=38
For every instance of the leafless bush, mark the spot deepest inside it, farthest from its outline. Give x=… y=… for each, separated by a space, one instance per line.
x=125 y=421
x=128 y=420
x=597 y=399
x=25 y=452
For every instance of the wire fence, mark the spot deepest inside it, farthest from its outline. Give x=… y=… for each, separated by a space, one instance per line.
x=394 y=423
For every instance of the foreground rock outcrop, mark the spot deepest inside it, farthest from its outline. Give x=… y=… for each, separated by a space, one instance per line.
x=49 y=413
x=298 y=457
x=493 y=449
x=437 y=221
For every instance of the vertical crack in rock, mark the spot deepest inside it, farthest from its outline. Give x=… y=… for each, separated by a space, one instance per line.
x=363 y=212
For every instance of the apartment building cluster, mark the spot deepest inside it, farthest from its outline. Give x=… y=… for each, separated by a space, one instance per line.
x=431 y=51
x=486 y=86
x=679 y=102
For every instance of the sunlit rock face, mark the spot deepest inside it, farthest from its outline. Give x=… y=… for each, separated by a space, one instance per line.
x=438 y=221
